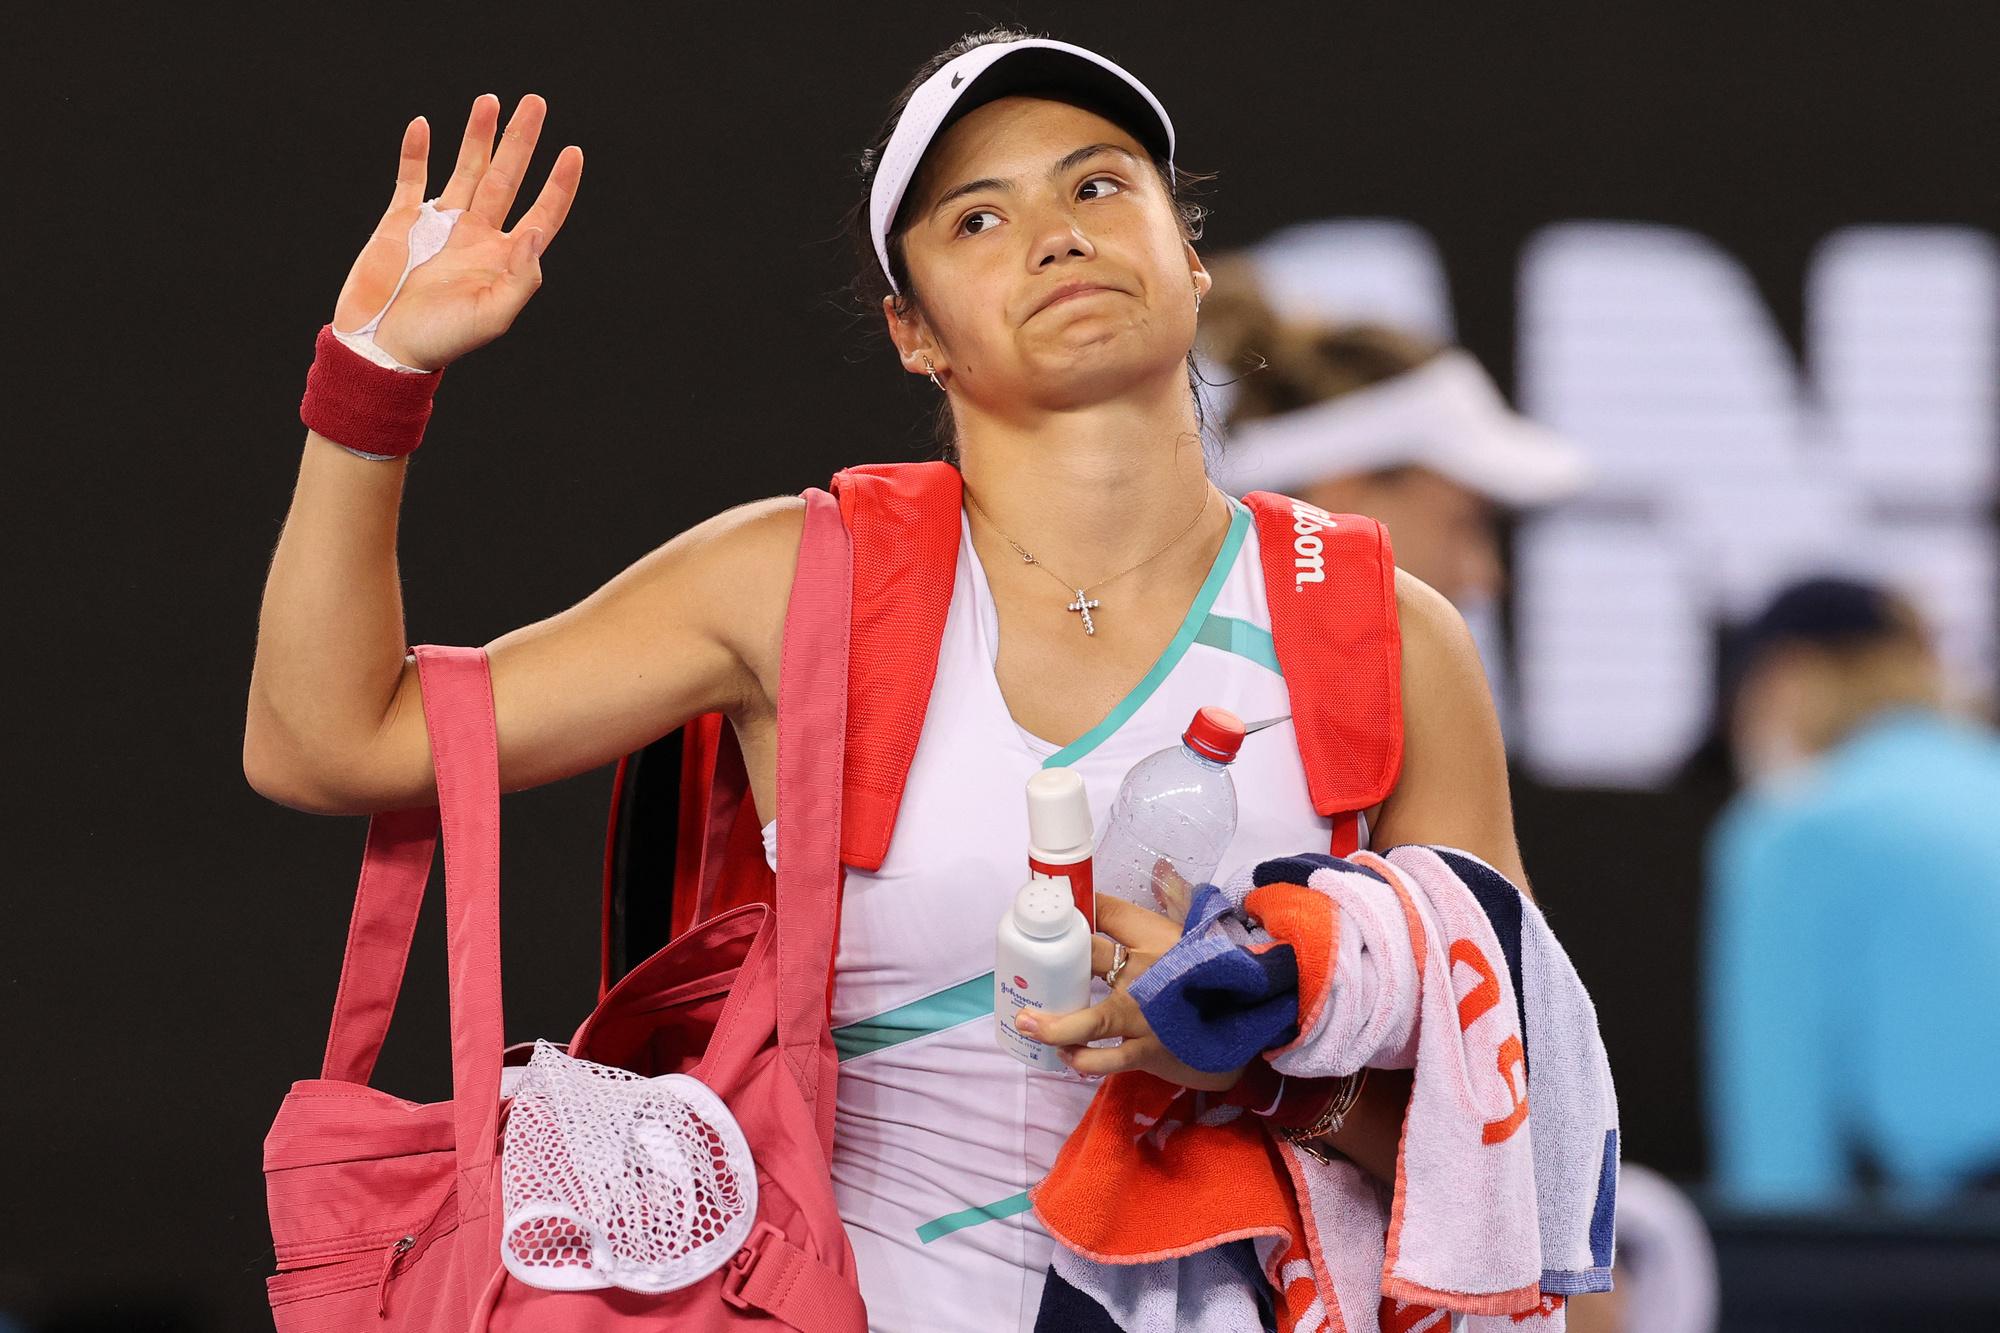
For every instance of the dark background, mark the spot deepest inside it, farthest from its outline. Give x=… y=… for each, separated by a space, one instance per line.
x=191 y=186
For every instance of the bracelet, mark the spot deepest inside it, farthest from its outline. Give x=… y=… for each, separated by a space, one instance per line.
x=1330 y=1119
x=377 y=412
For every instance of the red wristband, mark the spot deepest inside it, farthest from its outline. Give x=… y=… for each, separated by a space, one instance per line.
x=354 y=402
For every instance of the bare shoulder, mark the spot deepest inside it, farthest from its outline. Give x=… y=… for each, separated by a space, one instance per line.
x=751 y=547
x=1453 y=788
x=1439 y=652
x=692 y=626
x=678 y=632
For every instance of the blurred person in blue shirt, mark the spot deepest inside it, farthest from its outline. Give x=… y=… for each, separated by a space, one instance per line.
x=1852 y=952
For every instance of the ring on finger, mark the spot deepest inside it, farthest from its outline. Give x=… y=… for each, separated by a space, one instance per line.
x=1119 y=955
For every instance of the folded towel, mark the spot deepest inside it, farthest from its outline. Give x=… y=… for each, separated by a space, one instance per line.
x=1219 y=1288
x=1569 y=1081
x=1155 y=1173
x=1425 y=958
x=1226 y=991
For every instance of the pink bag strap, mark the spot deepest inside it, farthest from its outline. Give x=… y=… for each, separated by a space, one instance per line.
x=784 y=1280
x=457 y=690
x=812 y=731
x=401 y=846
x=458 y=709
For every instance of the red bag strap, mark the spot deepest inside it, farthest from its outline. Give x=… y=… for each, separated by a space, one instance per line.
x=457 y=691
x=713 y=824
x=812 y=725
x=714 y=786
x=1330 y=582
x=904 y=518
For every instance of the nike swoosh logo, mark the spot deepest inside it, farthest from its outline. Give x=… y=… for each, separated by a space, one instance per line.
x=956 y=79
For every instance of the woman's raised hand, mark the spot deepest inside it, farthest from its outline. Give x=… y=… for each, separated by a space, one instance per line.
x=469 y=292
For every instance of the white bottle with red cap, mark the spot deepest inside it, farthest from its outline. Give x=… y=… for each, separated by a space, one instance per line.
x=1177 y=806
x=1059 y=834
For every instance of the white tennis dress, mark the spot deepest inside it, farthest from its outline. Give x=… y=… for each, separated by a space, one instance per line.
x=938 y=1133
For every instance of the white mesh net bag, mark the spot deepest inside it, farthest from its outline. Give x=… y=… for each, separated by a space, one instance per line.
x=612 y=1179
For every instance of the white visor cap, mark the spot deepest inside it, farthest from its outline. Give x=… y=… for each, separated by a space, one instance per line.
x=1445 y=414
x=1031 y=64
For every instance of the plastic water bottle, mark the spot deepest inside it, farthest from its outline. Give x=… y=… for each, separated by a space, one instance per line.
x=1177 y=806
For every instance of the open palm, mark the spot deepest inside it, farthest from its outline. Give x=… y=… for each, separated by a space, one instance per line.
x=469 y=293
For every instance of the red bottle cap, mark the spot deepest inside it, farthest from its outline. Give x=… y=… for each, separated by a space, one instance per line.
x=1216 y=733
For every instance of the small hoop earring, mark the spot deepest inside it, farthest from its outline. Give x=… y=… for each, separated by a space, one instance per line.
x=931 y=370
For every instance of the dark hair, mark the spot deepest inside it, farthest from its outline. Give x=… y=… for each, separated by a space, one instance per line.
x=1830 y=613
x=870 y=285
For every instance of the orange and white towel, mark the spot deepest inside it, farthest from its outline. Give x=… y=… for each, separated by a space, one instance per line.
x=1425 y=958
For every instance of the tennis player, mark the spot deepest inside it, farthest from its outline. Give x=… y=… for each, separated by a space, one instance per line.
x=1023 y=225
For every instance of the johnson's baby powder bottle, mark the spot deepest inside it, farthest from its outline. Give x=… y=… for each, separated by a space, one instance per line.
x=1043 y=963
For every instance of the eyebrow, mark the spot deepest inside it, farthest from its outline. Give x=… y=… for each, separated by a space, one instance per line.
x=995 y=183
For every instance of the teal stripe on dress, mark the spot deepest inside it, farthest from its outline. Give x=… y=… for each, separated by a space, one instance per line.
x=903 y=1024
x=1242 y=638
x=972 y=1217
x=919 y=1018
x=1218 y=573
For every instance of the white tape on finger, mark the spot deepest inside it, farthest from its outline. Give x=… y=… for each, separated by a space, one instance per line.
x=427 y=236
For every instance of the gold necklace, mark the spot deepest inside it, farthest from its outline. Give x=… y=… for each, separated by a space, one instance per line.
x=1081 y=605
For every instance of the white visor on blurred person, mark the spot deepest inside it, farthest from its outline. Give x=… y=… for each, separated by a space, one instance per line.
x=1445 y=414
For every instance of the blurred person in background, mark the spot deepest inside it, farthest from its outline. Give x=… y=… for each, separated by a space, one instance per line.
x=1852 y=934
x=1364 y=418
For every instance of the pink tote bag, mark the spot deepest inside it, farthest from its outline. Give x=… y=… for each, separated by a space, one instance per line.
x=386 y=1214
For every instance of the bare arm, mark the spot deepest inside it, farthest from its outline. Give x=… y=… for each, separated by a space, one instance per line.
x=1453 y=786
x=330 y=632
x=334 y=721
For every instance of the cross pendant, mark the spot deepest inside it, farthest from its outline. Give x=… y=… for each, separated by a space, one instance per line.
x=1084 y=609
